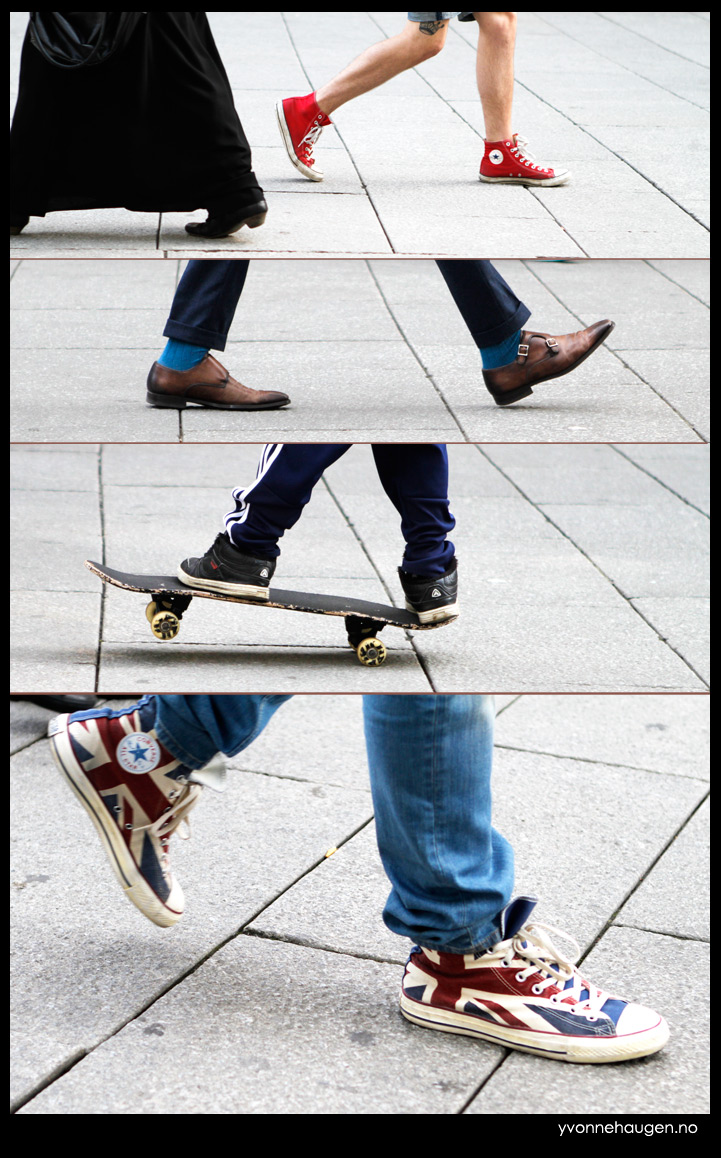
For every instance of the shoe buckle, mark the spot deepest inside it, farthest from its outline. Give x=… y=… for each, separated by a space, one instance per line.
x=523 y=350
x=551 y=342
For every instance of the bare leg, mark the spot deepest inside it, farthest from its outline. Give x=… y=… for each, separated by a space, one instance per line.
x=494 y=71
x=416 y=43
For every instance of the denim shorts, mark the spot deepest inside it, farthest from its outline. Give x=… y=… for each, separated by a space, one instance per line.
x=427 y=17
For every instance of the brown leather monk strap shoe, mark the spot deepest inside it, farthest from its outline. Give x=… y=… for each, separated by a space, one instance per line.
x=207 y=384
x=541 y=357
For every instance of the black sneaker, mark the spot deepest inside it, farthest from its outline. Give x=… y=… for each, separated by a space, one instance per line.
x=226 y=569
x=432 y=599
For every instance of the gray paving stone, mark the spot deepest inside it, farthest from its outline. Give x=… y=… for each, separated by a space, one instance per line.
x=239 y=1006
x=522 y=644
x=639 y=966
x=100 y=285
x=684 y=471
x=28 y=723
x=57 y=467
x=582 y=407
x=586 y=475
x=683 y=622
x=665 y=559
x=47 y=559
x=694 y=276
x=188 y=668
x=315 y=738
x=89 y=392
x=54 y=641
x=119 y=232
x=326 y=223
x=668 y=734
x=682 y=378
x=675 y=896
x=623 y=289
x=67 y=998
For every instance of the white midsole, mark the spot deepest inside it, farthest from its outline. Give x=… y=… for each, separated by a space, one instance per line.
x=555 y=1046
x=561 y=179
x=450 y=611
x=244 y=590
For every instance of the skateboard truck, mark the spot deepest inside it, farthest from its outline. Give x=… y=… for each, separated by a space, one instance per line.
x=363 y=638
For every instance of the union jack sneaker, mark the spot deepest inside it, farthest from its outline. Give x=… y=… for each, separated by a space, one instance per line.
x=136 y=794
x=525 y=994
x=511 y=163
x=301 y=123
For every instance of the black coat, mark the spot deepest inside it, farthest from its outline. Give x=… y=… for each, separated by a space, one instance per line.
x=153 y=128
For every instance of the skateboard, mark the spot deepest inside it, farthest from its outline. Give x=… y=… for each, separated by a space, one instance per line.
x=363 y=619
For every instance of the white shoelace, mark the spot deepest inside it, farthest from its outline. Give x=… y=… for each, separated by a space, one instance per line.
x=533 y=944
x=523 y=153
x=310 y=138
x=175 y=814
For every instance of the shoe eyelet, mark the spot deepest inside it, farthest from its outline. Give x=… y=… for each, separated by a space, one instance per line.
x=129 y=827
x=536 y=989
x=519 y=978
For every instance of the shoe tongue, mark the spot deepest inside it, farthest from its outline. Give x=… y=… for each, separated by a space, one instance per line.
x=146 y=713
x=514 y=916
x=213 y=775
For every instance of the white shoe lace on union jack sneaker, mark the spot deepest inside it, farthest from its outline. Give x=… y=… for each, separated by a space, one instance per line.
x=525 y=994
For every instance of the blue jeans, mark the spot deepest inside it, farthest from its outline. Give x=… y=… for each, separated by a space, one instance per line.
x=430 y=759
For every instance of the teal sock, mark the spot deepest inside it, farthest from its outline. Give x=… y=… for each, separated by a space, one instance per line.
x=501 y=354
x=181 y=355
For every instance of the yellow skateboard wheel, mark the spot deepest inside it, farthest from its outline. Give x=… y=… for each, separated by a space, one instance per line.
x=165 y=625
x=371 y=652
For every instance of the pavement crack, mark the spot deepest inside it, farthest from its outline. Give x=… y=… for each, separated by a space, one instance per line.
x=661 y=482
x=597 y=567
x=413 y=351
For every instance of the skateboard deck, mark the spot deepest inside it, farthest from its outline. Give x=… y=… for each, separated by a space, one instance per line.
x=363 y=619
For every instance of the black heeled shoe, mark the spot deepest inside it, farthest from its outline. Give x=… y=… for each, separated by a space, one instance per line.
x=224 y=224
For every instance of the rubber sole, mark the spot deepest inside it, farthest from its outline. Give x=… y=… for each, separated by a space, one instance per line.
x=168 y=402
x=580 y=1051
x=525 y=181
